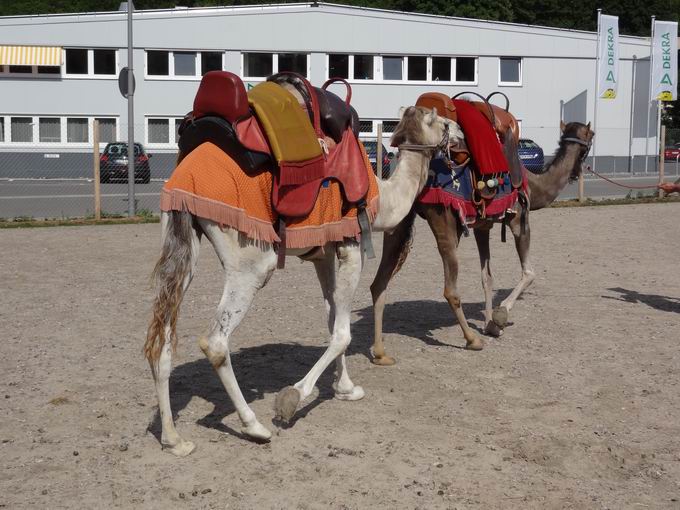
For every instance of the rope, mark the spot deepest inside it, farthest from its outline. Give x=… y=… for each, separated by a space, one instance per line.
x=618 y=183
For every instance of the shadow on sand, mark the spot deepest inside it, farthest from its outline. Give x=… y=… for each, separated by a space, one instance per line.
x=266 y=369
x=656 y=301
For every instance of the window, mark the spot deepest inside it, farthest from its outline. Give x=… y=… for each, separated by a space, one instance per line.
x=363 y=67
x=210 y=61
x=2 y=129
x=22 y=129
x=258 y=65
x=49 y=129
x=510 y=71
x=76 y=61
x=393 y=68
x=157 y=63
x=21 y=69
x=178 y=123
x=441 y=69
x=159 y=131
x=365 y=126
x=338 y=66
x=417 y=68
x=466 y=69
x=49 y=70
x=77 y=130
x=107 y=130
x=104 y=61
x=295 y=62
x=389 y=126
x=185 y=63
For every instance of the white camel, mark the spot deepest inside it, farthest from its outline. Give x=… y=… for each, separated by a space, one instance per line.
x=248 y=266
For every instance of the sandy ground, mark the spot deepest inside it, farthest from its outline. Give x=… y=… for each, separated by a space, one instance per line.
x=577 y=406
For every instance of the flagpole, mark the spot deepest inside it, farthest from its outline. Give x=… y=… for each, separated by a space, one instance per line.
x=597 y=84
x=649 y=93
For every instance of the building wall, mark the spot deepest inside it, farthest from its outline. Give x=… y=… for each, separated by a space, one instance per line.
x=558 y=66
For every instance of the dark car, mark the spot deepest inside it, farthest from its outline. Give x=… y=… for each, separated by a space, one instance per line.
x=113 y=163
x=371 y=147
x=531 y=155
x=672 y=152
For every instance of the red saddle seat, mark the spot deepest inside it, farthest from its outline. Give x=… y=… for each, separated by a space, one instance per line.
x=223 y=94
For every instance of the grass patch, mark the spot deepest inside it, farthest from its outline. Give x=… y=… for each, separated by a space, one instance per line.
x=112 y=219
x=628 y=200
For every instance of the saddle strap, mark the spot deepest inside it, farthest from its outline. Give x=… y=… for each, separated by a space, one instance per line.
x=504 y=228
x=281 y=252
x=365 y=226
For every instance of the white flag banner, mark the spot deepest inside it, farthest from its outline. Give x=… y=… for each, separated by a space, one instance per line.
x=665 y=61
x=608 y=41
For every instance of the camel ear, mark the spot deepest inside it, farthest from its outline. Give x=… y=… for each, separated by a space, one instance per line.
x=401 y=112
x=563 y=126
x=432 y=116
x=588 y=126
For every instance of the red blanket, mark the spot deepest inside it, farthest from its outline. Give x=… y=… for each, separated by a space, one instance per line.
x=481 y=139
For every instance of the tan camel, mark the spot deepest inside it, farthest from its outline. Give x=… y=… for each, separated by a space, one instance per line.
x=248 y=266
x=543 y=190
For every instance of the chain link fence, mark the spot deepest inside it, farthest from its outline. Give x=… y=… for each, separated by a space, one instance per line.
x=47 y=164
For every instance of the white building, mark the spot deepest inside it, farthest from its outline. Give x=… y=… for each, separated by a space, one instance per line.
x=390 y=58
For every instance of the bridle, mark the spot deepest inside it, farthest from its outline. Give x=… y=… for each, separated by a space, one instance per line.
x=442 y=146
x=583 y=143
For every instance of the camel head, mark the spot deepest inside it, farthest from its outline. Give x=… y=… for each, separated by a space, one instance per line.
x=422 y=126
x=577 y=132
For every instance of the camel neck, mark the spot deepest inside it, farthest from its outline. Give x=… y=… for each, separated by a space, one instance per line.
x=399 y=192
x=546 y=187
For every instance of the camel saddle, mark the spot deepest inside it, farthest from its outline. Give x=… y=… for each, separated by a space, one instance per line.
x=266 y=130
x=500 y=120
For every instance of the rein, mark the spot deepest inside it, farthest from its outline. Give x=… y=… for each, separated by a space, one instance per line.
x=583 y=157
x=442 y=145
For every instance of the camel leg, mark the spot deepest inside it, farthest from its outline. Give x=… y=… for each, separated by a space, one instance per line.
x=247 y=269
x=325 y=271
x=522 y=244
x=350 y=262
x=393 y=247
x=482 y=239
x=447 y=233
x=170 y=438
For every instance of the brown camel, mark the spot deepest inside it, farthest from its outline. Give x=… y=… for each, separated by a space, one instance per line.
x=542 y=191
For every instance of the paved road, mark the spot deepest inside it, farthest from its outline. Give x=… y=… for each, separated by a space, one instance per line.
x=73 y=198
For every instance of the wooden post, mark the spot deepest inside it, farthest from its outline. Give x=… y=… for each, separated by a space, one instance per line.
x=95 y=165
x=378 y=153
x=662 y=148
x=581 y=188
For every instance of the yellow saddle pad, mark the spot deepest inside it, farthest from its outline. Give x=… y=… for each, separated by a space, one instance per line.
x=287 y=126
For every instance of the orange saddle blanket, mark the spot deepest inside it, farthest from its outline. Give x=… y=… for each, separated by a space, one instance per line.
x=209 y=184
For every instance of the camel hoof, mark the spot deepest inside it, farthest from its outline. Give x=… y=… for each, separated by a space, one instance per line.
x=492 y=329
x=385 y=361
x=286 y=403
x=476 y=344
x=357 y=393
x=500 y=316
x=181 y=449
x=257 y=431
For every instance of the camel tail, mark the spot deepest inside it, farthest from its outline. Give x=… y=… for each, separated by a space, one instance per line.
x=169 y=276
x=408 y=226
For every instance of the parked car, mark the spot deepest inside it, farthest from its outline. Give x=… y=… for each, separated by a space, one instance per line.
x=371 y=147
x=672 y=153
x=531 y=155
x=113 y=163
